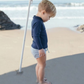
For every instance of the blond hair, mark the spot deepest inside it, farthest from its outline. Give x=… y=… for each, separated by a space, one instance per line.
x=48 y=7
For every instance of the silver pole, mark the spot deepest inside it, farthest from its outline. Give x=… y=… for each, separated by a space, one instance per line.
x=24 y=37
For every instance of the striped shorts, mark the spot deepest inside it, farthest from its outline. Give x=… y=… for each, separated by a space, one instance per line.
x=35 y=52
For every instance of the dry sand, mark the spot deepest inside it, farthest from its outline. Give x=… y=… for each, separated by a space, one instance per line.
x=65 y=63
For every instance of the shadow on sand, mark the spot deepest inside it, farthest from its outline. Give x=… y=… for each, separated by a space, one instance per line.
x=63 y=70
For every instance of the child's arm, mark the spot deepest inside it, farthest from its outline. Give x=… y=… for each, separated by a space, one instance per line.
x=42 y=53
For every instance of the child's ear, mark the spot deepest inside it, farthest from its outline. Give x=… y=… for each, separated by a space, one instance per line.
x=43 y=12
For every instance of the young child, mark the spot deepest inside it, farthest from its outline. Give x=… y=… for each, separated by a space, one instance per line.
x=39 y=46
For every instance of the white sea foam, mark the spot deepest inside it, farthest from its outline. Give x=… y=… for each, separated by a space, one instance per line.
x=33 y=8
x=21 y=18
x=72 y=8
x=77 y=4
x=30 y=18
x=69 y=18
x=18 y=8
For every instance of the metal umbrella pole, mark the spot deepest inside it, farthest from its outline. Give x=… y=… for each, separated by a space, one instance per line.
x=24 y=38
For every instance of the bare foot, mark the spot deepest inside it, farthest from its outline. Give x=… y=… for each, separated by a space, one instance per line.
x=46 y=82
x=45 y=79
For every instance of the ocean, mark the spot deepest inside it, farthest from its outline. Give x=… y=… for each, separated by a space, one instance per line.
x=69 y=13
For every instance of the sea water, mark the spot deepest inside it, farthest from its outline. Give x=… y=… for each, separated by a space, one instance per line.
x=69 y=12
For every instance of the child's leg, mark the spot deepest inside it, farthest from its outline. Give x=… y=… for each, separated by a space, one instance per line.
x=41 y=70
x=37 y=68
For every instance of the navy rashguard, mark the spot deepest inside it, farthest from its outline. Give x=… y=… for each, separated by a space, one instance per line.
x=38 y=33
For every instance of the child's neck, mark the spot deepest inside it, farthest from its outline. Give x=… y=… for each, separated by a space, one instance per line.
x=39 y=15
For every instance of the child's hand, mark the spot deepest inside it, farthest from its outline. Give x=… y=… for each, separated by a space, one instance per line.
x=42 y=53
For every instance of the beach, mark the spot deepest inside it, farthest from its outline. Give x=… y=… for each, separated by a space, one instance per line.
x=62 y=42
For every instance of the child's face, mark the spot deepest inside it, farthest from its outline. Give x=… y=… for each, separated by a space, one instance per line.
x=45 y=16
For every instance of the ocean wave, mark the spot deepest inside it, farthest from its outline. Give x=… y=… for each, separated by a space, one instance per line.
x=35 y=8
x=18 y=8
x=69 y=18
x=25 y=3
x=20 y=18
x=64 y=8
x=71 y=4
x=30 y=18
x=22 y=4
x=76 y=4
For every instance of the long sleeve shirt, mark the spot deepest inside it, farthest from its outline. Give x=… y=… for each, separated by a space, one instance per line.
x=38 y=33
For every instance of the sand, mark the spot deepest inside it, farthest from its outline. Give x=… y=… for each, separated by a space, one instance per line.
x=65 y=63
